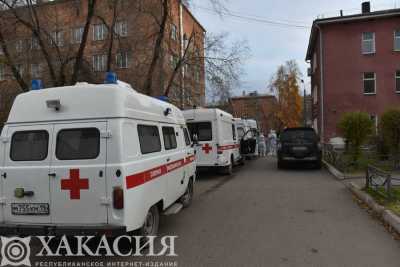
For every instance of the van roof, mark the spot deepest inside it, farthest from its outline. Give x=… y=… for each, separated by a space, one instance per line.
x=206 y=114
x=88 y=101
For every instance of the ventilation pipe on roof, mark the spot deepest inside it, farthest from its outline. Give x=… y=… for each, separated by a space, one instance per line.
x=366 y=7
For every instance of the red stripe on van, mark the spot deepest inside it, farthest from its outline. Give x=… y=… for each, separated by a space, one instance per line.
x=146 y=176
x=228 y=147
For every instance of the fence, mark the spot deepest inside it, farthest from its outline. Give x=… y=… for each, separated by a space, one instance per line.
x=380 y=181
x=335 y=158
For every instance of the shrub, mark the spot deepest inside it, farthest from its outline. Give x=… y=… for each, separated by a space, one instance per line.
x=390 y=131
x=356 y=127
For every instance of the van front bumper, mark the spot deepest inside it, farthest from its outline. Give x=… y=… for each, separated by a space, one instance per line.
x=59 y=230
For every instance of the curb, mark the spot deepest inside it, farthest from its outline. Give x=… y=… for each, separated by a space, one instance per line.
x=387 y=215
x=335 y=172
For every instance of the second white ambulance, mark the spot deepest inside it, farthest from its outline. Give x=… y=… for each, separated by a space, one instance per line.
x=215 y=133
x=100 y=159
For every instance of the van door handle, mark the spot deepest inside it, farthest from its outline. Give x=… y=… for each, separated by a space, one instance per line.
x=168 y=159
x=52 y=174
x=4 y=175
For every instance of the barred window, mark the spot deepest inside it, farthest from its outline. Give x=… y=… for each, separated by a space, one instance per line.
x=99 y=32
x=77 y=35
x=122 y=60
x=36 y=70
x=57 y=38
x=121 y=28
x=99 y=62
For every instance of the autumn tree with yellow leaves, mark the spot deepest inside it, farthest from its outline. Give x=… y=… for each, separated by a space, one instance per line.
x=285 y=85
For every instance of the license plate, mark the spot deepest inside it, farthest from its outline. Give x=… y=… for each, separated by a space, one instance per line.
x=30 y=209
x=300 y=148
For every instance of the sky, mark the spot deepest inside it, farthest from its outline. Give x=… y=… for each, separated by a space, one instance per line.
x=272 y=44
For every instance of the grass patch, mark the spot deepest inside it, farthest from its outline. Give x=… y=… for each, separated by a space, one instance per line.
x=382 y=198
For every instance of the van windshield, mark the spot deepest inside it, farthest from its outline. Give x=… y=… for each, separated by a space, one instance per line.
x=298 y=135
x=203 y=130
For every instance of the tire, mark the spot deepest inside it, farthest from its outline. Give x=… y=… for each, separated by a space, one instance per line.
x=151 y=223
x=187 y=199
x=318 y=165
x=228 y=170
x=281 y=165
x=242 y=161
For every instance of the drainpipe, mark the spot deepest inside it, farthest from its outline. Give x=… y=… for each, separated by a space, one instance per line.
x=321 y=63
x=182 y=46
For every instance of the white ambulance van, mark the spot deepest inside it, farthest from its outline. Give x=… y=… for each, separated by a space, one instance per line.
x=251 y=134
x=98 y=159
x=215 y=133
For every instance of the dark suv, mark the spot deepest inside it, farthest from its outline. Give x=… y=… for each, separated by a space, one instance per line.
x=299 y=145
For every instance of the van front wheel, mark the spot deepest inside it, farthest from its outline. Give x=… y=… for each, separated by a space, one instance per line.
x=151 y=222
x=186 y=199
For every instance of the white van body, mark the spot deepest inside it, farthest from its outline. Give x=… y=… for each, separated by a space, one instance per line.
x=71 y=161
x=252 y=132
x=218 y=144
x=241 y=128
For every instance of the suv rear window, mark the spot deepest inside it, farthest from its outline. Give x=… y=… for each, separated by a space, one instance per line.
x=29 y=146
x=203 y=130
x=298 y=134
x=77 y=144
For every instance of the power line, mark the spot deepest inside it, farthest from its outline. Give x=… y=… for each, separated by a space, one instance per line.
x=254 y=18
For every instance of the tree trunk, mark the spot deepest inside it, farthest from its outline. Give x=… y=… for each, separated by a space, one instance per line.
x=79 y=56
x=157 y=49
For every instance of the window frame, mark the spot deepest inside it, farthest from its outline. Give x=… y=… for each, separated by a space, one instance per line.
x=186 y=136
x=2 y=72
x=30 y=131
x=121 y=28
x=74 y=32
x=38 y=71
x=120 y=57
x=197 y=126
x=103 y=65
x=369 y=79
x=397 y=76
x=100 y=35
x=394 y=40
x=140 y=141
x=75 y=129
x=368 y=40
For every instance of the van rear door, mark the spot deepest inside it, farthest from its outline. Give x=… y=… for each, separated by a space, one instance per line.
x=206 y=150
x=78 y=182
x=25 y=177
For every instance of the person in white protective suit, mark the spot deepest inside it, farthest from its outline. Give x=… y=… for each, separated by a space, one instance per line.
x=272 y=142
x=262 y=146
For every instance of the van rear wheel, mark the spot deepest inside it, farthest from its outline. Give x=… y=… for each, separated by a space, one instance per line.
x=228 y=170
x=151 y=222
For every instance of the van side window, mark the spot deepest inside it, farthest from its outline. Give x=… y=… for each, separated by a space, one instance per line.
x=233 y=131
x=77 y=144
x=241 y=132
x=187 y=138
x=149 y=139
x=29 y=146
x=169 y=138
x=203 y=130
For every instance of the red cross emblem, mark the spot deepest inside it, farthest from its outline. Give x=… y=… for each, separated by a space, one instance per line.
x=75 y=184
x=207 y=148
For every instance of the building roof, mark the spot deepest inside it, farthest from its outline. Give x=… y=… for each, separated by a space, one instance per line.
x=87 y=101
x=249 y=97
x=383 y=14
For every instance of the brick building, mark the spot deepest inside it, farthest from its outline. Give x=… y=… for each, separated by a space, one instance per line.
x=135 y=24
x=355 y=66
x=254 y=106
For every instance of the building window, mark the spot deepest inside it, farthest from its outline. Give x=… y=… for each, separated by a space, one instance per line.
x=2 y=72
x=174 y=32
x=20 y=69
x=35 y=70
x=398 y=81
x=34 y=43
x=19 y=46
x=397 y=40
x=369 y=83
x=99 y=32
x=122 y=60
x=99 y=62
x=57 y=38
x=368 y=43
x=77 y=35
x=121 y=29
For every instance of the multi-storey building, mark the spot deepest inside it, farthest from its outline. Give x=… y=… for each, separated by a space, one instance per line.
x=255 y=106
x=122 y=38
x=355 y=66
